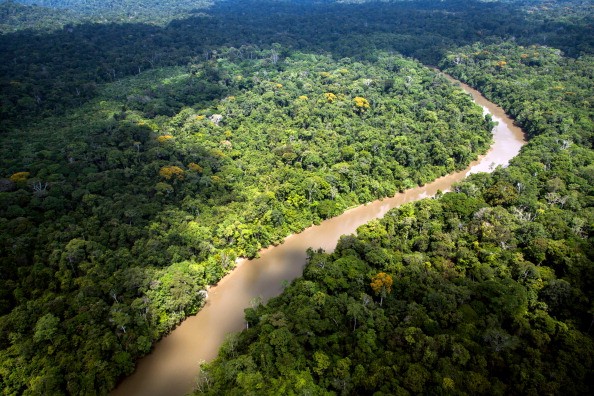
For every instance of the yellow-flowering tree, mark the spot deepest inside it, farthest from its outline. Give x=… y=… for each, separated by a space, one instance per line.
x=20 y=177
x=172 y=172
x=361 y=104
x=195 y=167
x=164 y=138
x=382 y=285
x=330 y=97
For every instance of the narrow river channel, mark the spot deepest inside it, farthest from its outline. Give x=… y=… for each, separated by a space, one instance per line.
x=174 y=363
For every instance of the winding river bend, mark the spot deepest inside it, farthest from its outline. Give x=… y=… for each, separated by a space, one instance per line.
x=174 y=363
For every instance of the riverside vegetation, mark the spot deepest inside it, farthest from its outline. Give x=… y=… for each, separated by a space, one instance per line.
x=486 y=290
x=116 y=233
x=139 y=161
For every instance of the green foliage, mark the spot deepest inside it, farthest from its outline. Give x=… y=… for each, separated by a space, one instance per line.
x=544 y=91
x=100 y=255
x=493 y=282
x=57 y=60
x=479 y=318
x=139 y=201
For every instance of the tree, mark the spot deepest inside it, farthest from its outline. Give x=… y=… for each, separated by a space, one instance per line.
x=20 y=177
x=172 y=172
x=355 y=310
x=361 y=104
x=330 y=97
x=382 y=285
x=46 y=328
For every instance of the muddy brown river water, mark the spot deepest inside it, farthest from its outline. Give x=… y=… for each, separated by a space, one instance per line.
x=172 y=366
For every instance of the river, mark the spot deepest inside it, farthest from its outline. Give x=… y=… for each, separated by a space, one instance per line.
x=172 y=366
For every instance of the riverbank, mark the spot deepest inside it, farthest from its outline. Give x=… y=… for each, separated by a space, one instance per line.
x=174 y=363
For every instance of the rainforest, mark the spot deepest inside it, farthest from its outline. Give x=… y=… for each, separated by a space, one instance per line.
x=150 y=147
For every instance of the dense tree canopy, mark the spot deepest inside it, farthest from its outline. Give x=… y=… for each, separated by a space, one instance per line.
x=543 y=90
x=126 y=222
x=144 y=150
x=47 y=73
x=491 y=285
